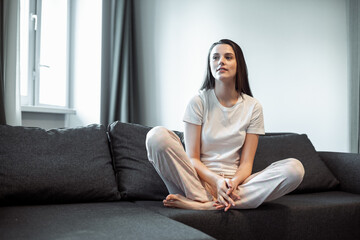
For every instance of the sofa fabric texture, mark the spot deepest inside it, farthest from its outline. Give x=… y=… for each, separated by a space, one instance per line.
x=55 y=166
x=346 y=168
x=323 y=215
x=272 y=148
x=91 y=221
x=136 y=177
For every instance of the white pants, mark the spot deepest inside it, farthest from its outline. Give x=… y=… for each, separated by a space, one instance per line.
x=171 y=162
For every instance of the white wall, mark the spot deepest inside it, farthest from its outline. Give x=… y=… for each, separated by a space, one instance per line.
x=296 y=53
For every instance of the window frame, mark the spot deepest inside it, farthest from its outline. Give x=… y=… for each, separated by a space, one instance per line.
x=33 y=74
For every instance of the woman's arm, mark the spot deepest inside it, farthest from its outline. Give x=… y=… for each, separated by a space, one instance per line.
x=246 y=161
x=193 y=145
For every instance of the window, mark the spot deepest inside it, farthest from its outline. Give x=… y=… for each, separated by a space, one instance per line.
x=44 y=53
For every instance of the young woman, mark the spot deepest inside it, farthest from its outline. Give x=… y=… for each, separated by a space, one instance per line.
x=222 y=127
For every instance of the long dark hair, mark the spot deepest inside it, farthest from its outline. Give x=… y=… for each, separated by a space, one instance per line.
x=242 y=81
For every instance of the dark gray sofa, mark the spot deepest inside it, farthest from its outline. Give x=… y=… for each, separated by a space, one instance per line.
x=96 y=183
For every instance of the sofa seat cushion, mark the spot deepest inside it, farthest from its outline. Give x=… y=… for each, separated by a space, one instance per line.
x=325 y=215
x=111 y=220
x=55 y=166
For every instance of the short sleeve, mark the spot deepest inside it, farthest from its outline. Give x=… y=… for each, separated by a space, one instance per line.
x=256 y=125
x=194 y=111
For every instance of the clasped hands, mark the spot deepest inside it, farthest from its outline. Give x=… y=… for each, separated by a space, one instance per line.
x=226 y=196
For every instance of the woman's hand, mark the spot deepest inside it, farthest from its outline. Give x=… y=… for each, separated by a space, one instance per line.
x=232 y=186
x=226 y=196
x=222 y=189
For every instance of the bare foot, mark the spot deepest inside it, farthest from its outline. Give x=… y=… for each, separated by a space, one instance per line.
x=179 y=201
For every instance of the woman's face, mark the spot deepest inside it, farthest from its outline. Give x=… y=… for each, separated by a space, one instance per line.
x=223 y=62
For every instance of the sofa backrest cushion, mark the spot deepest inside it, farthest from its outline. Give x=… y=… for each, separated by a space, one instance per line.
x=274 y=147
x=136 y=176
x=55 y=166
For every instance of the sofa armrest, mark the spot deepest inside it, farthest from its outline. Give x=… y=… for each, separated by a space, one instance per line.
x=346 y=168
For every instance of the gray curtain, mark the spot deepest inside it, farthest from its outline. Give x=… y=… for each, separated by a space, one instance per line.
x=354 y=74
x=118 y=73
x=10 y=77
x=2 y=83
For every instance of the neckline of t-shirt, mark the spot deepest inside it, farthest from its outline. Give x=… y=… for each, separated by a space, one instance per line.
x=222 y=106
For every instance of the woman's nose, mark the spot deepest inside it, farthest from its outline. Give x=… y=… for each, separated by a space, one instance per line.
x=221 y=61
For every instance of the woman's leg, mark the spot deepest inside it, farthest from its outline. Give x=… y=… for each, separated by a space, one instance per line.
x=276 y=180
x=169 y=158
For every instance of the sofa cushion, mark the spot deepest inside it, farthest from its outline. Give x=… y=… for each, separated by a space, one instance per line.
x=136 y=176
x=346 y=168
x=55 y=166
x=277 y=147
x=323 y=215
x=90 y=221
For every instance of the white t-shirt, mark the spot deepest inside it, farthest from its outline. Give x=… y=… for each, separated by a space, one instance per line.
x=224 y=128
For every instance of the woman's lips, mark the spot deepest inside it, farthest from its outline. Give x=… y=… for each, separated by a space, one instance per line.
x=221 y=70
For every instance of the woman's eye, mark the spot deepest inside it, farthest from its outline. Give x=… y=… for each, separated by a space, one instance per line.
x=215 y=57
x=228 y=58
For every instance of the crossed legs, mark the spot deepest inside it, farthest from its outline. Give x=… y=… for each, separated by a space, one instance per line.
x=187 y=191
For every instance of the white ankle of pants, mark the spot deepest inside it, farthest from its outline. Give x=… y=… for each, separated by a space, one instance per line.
x=171 y=162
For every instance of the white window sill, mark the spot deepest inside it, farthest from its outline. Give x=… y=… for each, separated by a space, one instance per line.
x=40 y=109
